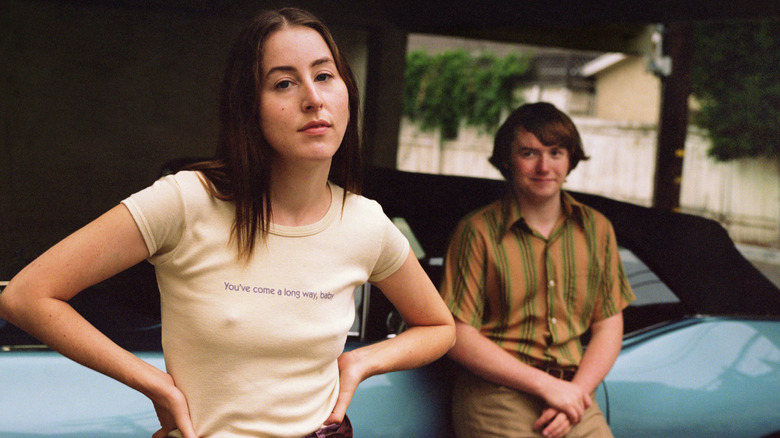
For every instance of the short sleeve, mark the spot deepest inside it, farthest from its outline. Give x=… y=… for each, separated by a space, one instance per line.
x=463 y=285
x=159 y=213
x=616 y=292
x=395 y=249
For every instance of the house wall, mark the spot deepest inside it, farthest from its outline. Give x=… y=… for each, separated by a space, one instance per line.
x=743 y=195
x=575 y=102
x=626 y=91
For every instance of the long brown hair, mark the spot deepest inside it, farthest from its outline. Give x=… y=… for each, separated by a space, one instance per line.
x=240 y=169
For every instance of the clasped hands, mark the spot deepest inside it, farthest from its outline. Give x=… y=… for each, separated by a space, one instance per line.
x=566 y=403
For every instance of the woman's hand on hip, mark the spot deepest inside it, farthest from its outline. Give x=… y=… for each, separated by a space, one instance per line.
x=172 y=411
x=350 y=376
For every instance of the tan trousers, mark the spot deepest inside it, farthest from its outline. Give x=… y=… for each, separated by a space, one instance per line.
x=481 y=409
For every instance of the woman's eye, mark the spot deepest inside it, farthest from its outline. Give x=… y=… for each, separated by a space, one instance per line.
x=283 y=85
x=323 y=77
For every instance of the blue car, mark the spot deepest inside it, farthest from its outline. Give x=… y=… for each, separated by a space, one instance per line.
x=701 y=352
x=701 y=355
x=47 y=395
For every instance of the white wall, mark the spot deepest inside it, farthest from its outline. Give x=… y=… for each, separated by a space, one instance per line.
x=622 y=160
x=743 y=194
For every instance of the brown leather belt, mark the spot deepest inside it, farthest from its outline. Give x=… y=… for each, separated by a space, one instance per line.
x=566 y=374
x=557 y=371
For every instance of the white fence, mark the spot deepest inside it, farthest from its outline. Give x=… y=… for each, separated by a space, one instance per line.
x=744 y=195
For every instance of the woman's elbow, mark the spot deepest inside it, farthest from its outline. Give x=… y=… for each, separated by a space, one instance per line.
x=8 y=302
x=15 y=301
x=2 y=307
x=451 y=333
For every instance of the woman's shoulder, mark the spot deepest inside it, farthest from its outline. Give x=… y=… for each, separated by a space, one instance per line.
x=185 y=190
x=191 y=184
x=187 y=178
x=358 y=203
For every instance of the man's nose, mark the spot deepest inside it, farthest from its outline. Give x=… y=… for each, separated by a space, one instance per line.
x=543 y=163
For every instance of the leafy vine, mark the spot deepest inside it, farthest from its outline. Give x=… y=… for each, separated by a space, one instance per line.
x=443 y=89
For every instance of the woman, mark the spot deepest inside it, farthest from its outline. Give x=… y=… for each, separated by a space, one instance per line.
x=257 y=253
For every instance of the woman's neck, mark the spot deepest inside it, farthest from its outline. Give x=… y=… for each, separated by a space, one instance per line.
x=299 y=197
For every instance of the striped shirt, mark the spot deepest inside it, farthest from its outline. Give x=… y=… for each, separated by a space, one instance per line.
x=531 y=295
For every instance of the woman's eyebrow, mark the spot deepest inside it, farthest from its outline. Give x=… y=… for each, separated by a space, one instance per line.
x=288 y=68
x=323 y=60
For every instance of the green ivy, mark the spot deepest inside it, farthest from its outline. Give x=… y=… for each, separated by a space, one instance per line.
x=443 y=89
x=734 y=75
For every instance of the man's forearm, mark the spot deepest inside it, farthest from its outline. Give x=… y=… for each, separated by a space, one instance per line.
x=484 y=358
x=601 y=353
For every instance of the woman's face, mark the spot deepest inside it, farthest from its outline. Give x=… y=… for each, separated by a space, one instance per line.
x=304 y=103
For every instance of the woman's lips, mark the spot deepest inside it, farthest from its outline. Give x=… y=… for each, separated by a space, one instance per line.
x=315 y=127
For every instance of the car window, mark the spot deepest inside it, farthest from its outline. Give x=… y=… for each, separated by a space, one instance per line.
x=648 y=288
x=361 y=297
x=406 y=230
x=655 y=302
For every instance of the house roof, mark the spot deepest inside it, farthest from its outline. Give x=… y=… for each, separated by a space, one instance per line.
x=601 y=63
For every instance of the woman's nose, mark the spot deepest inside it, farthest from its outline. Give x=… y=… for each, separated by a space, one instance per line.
x=312 y=99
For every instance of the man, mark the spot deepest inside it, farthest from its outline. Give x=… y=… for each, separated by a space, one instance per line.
x=525 y=278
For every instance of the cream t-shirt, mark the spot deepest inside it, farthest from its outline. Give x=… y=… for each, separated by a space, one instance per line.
x=254 y=346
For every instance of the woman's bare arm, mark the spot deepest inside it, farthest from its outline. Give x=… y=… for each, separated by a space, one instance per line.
x=430 y=335
x=36 y=300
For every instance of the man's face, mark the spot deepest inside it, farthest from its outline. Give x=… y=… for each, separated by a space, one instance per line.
x=538 y=171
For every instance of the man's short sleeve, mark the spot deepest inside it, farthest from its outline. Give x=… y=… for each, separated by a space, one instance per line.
x=463 y=284
x=616 y=293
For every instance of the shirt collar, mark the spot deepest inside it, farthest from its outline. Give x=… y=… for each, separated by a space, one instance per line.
x=512 y=216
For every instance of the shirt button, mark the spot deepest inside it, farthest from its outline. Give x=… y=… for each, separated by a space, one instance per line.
x=552 y=283
x=554 y=320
